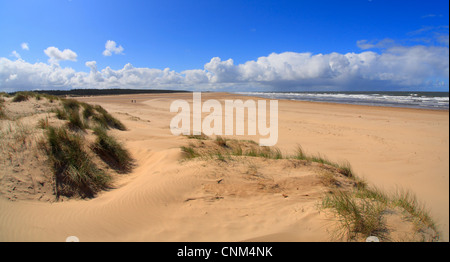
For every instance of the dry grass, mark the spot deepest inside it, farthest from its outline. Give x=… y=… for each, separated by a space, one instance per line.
x=2 y=111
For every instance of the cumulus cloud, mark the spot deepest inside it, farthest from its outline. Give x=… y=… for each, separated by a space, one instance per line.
x=25 y=46
x=111 y=47
x=21 y=75
x=396 y=67
x=55 y=55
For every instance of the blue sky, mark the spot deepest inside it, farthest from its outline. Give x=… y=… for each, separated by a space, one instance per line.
x=273 y=45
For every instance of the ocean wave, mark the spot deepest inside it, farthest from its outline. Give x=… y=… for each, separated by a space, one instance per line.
x=397 y=99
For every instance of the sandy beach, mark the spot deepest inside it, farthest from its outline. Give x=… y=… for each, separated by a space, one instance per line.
x=164 y=199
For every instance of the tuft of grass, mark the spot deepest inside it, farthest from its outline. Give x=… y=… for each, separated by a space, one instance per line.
x=414 y=209
x=199 y=137
x=70 y=104
x=189 y=151
x=106 y=120
x=61 y=114
x=75 y=121
x=75 y=173
x=345 y=169
x=20 y=97
x=111 y=151
x=43 y=123
x=50 y=98
x=220 y=141
x=88 y=111
x=4 y=94
x=2 y=111
x=300 y=154
x=360 y=212
x=357 y=216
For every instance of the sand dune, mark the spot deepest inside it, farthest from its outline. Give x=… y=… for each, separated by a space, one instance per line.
x=168 y=199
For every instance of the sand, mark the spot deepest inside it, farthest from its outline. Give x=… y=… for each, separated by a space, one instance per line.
x=166 y=198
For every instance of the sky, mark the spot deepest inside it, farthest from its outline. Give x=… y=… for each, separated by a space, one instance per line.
x=322 y=45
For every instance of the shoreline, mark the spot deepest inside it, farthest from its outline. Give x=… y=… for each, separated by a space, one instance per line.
x=343 y=103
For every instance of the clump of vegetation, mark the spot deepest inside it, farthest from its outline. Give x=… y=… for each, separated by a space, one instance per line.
x=4 y=94
x=2 y=110
x=43 y=123
x=198 y=137
x=70 y=104
x=75 y=121
x=50 y=98
x=111 y=151
x=73 y=161
x=61 y=114
x=88 y=111
x=344 y=168
x=106 y=120
x=357 y=215
x=189 y=151
x=360 y=213
x=220 y=141
x=417 y=211
x=75 y=173
x=20 y=97
x=231 y=147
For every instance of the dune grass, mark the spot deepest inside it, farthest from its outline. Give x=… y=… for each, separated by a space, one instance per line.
x=88 y=111
x=360 y=212
x=61 y=114
x=2 y=110
x=75 y=121
x=20 y=97
x=415 y=210
x=75 y=173
x=73 y=161
x=70 y=104
x=344 y=168
x=189 y=151
x=43 y=123
x=106 y=120
x=198 y=137
x=357 y=216
x=111 y=151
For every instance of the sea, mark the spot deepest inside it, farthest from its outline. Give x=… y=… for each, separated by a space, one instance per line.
x=426 y=100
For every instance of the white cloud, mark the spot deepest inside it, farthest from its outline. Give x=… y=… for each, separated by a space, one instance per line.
x=55 y=55
x=25 y=46
x=395 y=67
x=364 y=44
x=15 y=54
x=111 y=47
